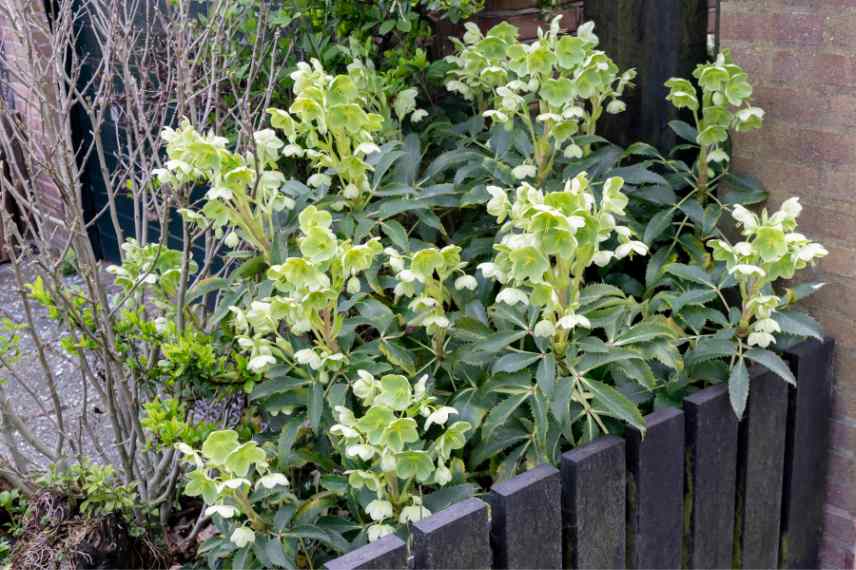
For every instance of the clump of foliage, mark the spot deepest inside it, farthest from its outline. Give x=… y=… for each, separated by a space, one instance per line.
x=410 y=309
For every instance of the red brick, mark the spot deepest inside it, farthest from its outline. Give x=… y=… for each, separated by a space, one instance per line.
x=792 y=67
x=790 y=104
x=838 y=494
x=839 y=525
x=831 y=69
x=745 y=27
x=798 y=30
x=840 y=261
x=811 y=146
x=841 y=31
x=834 y=556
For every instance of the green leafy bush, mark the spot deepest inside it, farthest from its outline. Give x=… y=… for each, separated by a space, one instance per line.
x=542 y=286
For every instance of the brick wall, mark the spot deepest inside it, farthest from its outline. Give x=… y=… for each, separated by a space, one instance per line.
x=19 y=78
x=801 y=55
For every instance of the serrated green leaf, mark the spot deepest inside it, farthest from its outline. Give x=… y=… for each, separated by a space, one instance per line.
x=657 y=225
x=709 y=349
x=514 y=362
x=799 y=324
x=615 y=404
x=645 y=331
x=692 y=297
x=501 y=412
x=691 y=273
x=738 y=388
x=497 y=342
x=772 y=362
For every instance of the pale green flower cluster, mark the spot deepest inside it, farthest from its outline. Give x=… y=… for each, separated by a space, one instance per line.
x=223 y=475
x=425 y=279
x=572 y=82
x=548 y=240
x=388 y=440
x=771 y=250
x=308 y=290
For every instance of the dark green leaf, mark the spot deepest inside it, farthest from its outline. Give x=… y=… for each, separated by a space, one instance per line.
x=514 y=362
x=685 y=131
x=615 y=404
x=657 y=225
x=501 y=412
x=798 y=323
x=738 y=388
x=772 y=362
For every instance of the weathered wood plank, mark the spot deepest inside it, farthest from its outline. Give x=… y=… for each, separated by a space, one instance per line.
x=760 y=464
x=593 y=504
x=387 y=552
x=710 y=478
x=526 y=520
x=661 y=39
x=655 y=470
x=807 y=443
x=457 y=537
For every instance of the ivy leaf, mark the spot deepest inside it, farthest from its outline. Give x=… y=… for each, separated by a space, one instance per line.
x=738 y=388
x=514 y=362
x=772 y=362
x=219 y=445
x=615 y=403
x=239 y=461
x=798 y=323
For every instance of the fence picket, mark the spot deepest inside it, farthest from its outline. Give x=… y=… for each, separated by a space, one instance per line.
x=593 y=504
x=526 y=520
x=809 y=405
x=457 y=537
x=388 y=552
x=710 y=478
x=655 y=469
x=760 y=463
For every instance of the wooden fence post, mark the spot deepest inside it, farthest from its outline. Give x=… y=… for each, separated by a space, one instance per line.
x=593 y=504
x=457 y=537
x=711 y=473
x=807 y=450
x=661 y=39
x=655 y=489
x=526 y=520
x=388 y=552
x=761 y=457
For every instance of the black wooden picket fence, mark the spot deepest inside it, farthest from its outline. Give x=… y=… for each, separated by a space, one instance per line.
x=700 y=490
